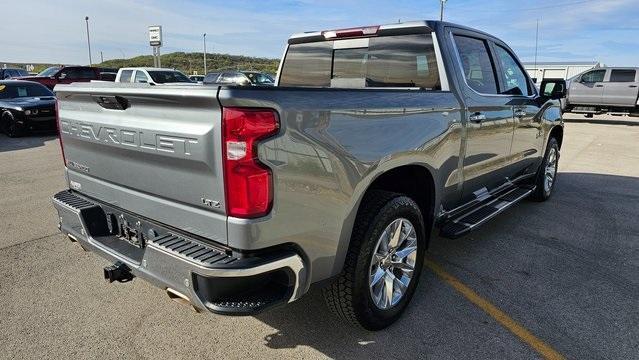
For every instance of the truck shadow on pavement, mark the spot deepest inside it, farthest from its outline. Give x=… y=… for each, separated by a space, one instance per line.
x=538 y=261
x=26 y=142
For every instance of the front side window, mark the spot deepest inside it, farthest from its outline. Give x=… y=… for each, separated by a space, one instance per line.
x=515 y=82
x=211 y=78
x=476 y=64
x=593 y=76
x=140 y=77
x=70 y=73
x=623 y=75
x=49 y=71
x=387 y=61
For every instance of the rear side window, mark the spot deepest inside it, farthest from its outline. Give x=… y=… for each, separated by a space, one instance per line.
x=623 y=75
x=593 y=76
x=86 y=73
x=478 y=68
x=391 y=61
x=126 y=75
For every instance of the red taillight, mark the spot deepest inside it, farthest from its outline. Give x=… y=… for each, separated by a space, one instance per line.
x=248 y=183
x=351 y=32
x=59 y=127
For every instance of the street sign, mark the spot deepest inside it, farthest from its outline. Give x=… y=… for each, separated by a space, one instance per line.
x=155 y=35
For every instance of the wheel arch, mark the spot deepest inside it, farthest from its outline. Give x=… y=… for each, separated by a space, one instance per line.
x=413 y=179
x=558 y=133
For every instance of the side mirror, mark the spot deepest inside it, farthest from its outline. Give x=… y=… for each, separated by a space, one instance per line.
x=553 y=88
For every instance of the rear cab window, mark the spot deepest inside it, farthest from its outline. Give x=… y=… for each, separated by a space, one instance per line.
x=397 y=61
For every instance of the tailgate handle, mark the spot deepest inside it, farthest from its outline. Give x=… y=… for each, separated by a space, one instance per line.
x=111 y=102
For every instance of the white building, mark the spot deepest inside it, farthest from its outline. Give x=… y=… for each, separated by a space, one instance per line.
x=558 y=70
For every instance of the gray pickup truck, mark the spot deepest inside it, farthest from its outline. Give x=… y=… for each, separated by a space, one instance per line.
x=604 y=90
x=237 y=199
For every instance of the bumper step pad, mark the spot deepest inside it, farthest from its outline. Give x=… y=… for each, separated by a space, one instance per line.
x=478 y=215
x=193 y=251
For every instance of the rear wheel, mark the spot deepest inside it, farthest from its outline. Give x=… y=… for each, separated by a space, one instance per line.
x=9 y=125
x=547 y=173
x=383 y=263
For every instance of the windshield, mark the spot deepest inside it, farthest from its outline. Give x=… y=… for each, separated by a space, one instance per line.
x=163 y=77
x=260 y=78
x=23 y=89
x=49 y=71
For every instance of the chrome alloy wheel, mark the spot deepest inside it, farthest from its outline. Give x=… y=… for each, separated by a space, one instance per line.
x=393 y=263
x=551 y=170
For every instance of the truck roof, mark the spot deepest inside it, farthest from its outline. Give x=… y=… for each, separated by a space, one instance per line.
x=408 y=27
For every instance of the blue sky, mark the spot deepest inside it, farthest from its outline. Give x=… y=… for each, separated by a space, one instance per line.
x=54 y=31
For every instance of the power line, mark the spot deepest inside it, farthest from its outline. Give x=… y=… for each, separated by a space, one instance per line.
x=462 y=9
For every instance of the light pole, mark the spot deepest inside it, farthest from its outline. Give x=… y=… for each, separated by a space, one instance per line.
x=441 y=10
x=204 y=38
x=86 y=18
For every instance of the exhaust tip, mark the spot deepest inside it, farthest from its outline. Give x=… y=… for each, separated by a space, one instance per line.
x=180 y=298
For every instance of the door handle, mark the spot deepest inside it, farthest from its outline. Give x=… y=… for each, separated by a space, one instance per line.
x=599 y=85
x=632 y=86
x=520 y=113
x=477 y=117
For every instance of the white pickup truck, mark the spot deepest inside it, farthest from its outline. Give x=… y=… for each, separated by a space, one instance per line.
x=604 y=90
x=152 y=76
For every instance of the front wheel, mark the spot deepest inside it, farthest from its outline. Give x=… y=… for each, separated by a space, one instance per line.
x=383 y=263
x=547 y=173
x=9 y=125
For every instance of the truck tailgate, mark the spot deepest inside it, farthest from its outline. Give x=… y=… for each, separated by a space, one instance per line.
x=154 y=150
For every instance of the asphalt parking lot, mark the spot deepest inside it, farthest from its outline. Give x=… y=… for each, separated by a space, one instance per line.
x=565 y=270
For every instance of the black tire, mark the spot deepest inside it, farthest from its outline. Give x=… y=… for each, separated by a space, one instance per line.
x=9 y=126
x=542 y=193
x=349 y=296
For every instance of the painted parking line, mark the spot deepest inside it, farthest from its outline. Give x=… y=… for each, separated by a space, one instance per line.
x=501 y=317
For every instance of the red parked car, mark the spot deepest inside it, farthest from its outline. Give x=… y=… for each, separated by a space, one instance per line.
x=52 y=76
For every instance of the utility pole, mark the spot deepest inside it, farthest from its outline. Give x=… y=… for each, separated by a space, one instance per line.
x=536 y=47
x=101 y=57
x=441 y=9
x=86 y=18
x=204 y=38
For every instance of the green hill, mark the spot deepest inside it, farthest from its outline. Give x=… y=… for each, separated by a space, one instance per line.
x=190 y=63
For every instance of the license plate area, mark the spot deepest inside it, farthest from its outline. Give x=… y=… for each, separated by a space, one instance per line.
x=130 y=229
